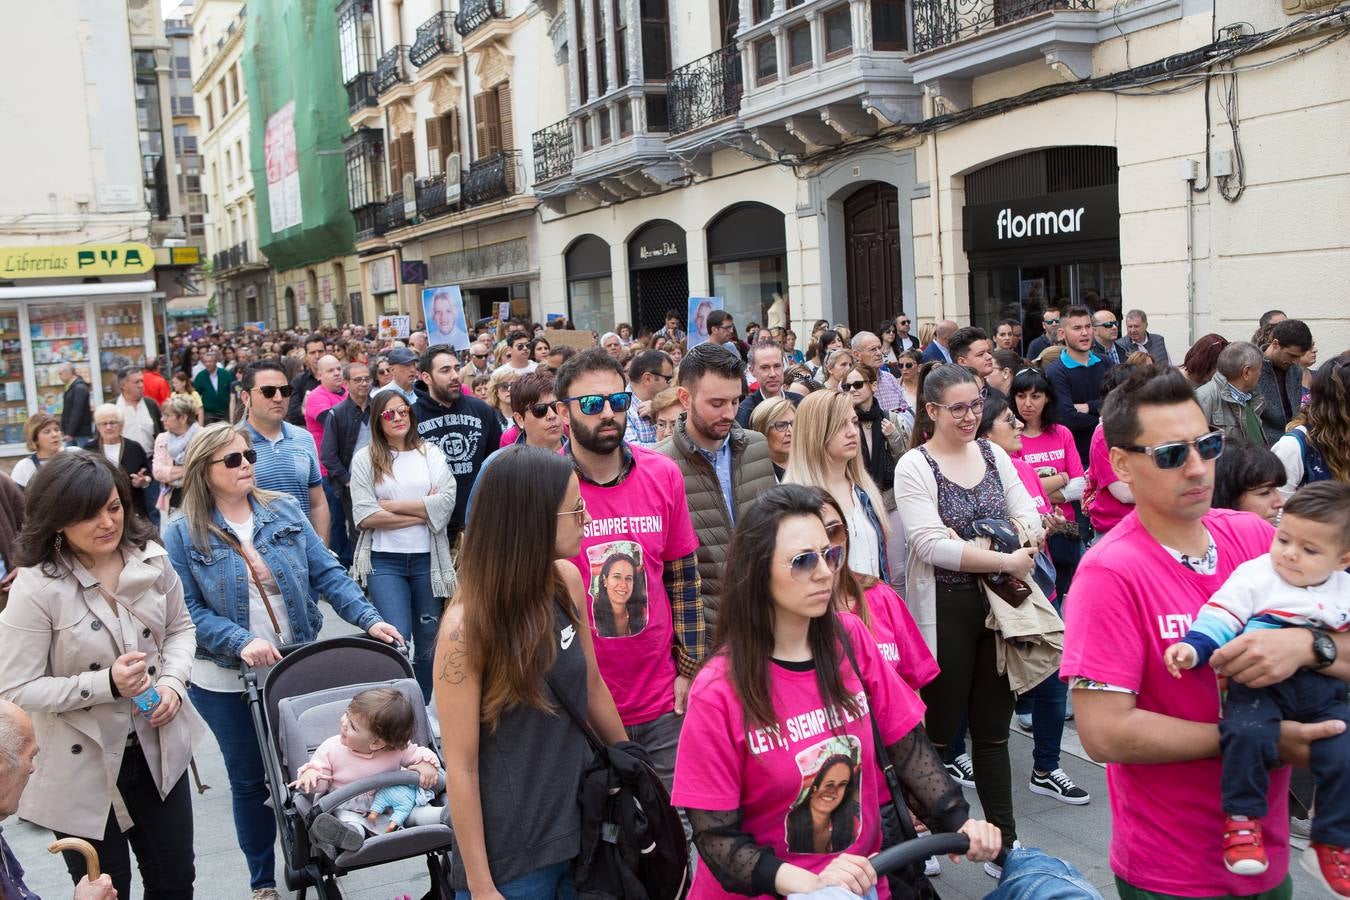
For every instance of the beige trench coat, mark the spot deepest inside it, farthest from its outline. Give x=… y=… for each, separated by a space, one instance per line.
x=58 y=640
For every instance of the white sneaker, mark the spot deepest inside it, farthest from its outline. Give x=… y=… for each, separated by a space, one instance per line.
x=1024 y=721
x=993 y=869
x=931 y=867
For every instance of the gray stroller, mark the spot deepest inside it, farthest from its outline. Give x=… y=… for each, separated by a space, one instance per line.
x=298 y=706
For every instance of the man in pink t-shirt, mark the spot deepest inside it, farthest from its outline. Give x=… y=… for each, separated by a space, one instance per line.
x=638 y=559
x=1136 y=592
x=321 y=399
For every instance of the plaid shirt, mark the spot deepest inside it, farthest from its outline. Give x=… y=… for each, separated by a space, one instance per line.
x=640 y=430
x=889 y=395
x=683 y=587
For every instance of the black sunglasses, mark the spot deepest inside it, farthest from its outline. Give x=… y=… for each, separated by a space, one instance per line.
x=593 y=404
x=852 y=385
x=539 y=410
x=1174 y=455
x=804 y=565
x=236 y=459
x=271 y=390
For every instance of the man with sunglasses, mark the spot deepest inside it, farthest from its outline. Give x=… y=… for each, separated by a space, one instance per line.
x=1050 y=322
x=403 y=369
x=517 y=355
x=903 y=339
x=478 y=363
x=1105 y=333
x=1135 y=593
x=650 y=373
x=288 y=459
x=464 y=427
x=636 y=500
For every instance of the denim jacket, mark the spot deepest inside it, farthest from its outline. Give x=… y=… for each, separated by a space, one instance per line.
x=215 y=583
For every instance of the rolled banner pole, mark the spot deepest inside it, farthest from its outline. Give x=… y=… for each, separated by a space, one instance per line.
x=85 y=849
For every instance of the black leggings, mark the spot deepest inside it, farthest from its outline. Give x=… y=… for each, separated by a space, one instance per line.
x=969 y=683
x=160 y=836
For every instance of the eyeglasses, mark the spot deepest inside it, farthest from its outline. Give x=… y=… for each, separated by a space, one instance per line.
x=271 y=390
x=667 y=378
x=593 y=404
x=1111 y=324
x=362 y=379
x=110 y=424
x=903 y=322
x=579 y=510
x=1174 y=455
x=539 y=410
x=782 y=427
x=852 y=385
x=390 y=415
x=478 y=355
x=837 y=532
x=961 y=410
x=804 y=565
x=520 y=347
x=1050 y=321
x=236 y=459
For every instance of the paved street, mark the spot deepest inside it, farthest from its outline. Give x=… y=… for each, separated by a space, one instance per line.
x=1078 y=834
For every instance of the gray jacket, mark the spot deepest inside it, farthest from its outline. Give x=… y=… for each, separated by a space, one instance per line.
x=1237 y=421
x=1157 y=348
x=1272 y=383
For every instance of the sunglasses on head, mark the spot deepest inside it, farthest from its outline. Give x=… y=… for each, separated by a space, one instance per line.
x=804 y=565
x=390 y=415
x=271 y=390
x=852 y=385
x=236 y=459
x=1173 y=455
x=539 y=410
x=593 y=404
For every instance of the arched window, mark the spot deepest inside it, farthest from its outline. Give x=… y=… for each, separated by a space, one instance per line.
x=590 y=284
x=747 y=260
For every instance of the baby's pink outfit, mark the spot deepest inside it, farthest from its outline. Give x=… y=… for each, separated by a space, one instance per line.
x=338 y=765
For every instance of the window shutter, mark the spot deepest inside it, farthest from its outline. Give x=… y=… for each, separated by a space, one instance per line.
x=508 y=137
x=484 y=115
x=435 y=155
x=395 y=164
x=450 y=131
x=409 y=154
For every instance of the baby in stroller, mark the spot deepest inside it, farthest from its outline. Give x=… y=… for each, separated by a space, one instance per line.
x=374 y=737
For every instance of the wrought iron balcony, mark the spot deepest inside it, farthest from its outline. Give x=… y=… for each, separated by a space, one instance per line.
x=553 y=151
x=474 y=14
x=491 y=178
x=367 y=219
x=707 y=89
x=234 y=257
x=941 y=22
x=392 y=69
x=434 y=38
x=361 y=92
x=391 y=214
x=431 y=200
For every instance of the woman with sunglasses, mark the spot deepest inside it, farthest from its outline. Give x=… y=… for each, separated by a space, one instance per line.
x=538 y=417
x=827 y=455
x=941 y=488
x=785 y=657
x=252 y=566
x=403 y=495
x=886 y=332
x=885 y=437
x=499 y=395
x=380 y=369
x=775 y=419
x=906 y=370
x=96 y=645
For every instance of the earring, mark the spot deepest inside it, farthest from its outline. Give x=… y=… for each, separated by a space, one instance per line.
x=56 y=544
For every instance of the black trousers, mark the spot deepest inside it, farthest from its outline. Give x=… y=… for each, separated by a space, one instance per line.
x=160 y=836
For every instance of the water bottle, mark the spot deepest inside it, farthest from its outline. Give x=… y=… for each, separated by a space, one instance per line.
x=146 y=701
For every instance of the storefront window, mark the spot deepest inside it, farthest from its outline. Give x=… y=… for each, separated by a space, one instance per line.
x=590 y=287
x=13 y=403
x=121 y=340
x=747 y=287
x=747 y=260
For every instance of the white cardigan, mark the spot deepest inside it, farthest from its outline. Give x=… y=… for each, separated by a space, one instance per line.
x=931 y=544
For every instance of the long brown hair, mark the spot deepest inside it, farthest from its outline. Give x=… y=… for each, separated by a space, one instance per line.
x=745 y=620
x=848 y=594
x=1328 y=415
x=508 y=587
x=381 y=453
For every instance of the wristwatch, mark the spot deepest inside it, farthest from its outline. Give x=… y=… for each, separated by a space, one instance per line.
x=1324 y=648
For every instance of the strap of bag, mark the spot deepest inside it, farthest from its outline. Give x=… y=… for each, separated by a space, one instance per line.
x=907 y=831
x=592 y=738
x=257 y=582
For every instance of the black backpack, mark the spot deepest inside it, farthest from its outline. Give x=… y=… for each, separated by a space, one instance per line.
x=632 y=842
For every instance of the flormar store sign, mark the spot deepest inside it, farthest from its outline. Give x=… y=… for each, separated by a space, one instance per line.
x=1089 y=214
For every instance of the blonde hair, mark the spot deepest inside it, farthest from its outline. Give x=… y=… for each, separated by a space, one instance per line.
x=496 y=380
x=832 y=357
x=926 y=332
x=199 y=503
x=665 y=400
x=765 y=414
x=33 y=427
x=820 y=416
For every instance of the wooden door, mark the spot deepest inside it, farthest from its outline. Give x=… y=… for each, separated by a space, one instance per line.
x=872 y=241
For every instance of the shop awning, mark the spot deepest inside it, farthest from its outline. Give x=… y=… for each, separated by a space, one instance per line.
x=100 y=289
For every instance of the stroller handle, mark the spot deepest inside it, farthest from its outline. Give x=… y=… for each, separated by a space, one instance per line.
x=893 y=859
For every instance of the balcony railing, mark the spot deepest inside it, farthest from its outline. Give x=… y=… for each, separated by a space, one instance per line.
x=392 y=69
x=474 y=14
x=391 y=214
x=491 y=178
x=367 y=220
x=240 y=254
x=941 y=22
x=361 y=92
x=434 y=38
x=431 y=201
x=707 y=89
x=553 y=151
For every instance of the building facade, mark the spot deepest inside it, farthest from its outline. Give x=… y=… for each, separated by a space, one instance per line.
x=93 y=242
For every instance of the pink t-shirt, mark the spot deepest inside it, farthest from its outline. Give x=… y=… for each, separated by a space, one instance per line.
x=636 y=528
x=812 y=758
x=1129 y=602
x=1102 y=507
x=1054 y=447
x=320 y=401
x=898 y=638
x=1032 y=482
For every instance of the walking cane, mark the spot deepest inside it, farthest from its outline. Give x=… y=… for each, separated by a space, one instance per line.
x=85 y=849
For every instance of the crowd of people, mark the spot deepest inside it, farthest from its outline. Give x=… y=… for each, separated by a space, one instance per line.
x=777 y=571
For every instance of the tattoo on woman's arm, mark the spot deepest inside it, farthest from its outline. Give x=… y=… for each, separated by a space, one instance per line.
x=452 y=672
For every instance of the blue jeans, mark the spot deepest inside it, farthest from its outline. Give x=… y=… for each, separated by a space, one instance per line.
x=1047 y=703
x=400 y=587
x=549 y=883
x=338 y=540
x=228 y=717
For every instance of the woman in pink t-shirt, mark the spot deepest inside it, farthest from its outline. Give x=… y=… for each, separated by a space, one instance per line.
x=777 y=763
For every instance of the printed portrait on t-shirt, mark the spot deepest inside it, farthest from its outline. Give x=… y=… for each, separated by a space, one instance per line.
x=827 y=814
x=618 y=588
